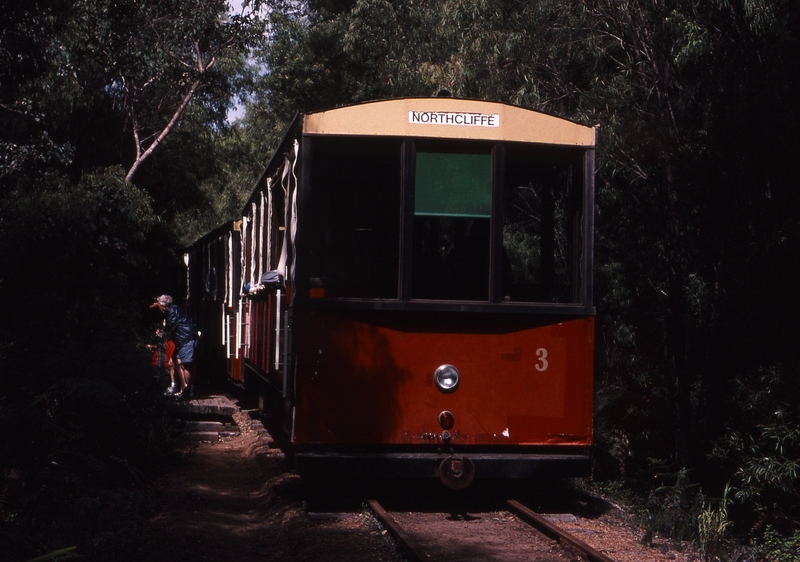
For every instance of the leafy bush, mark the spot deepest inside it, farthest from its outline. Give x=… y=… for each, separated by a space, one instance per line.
x=778 y=547
x=762 y=449
x=713 y=524
x=672 y=507
x=82 y=419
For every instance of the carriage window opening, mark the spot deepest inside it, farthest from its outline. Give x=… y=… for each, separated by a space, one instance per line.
x=452 y=209
x=542 y=216
x=355 y=217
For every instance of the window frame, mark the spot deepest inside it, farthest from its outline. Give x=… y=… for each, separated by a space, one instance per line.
x=582 y=257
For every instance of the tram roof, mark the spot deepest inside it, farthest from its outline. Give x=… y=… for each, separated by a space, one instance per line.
x=394 y=118
x=448 y=118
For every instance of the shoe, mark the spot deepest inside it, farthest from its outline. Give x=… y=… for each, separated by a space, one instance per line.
x=185 y=394
x=171 y=390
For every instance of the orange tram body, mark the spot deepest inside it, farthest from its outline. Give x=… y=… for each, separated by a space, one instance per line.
x=410 y=290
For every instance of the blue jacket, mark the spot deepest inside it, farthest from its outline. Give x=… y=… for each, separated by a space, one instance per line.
x=179 y=327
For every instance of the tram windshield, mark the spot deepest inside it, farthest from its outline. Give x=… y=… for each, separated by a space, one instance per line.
x=355 y=217
x=452 y=212
x=533 y=219
x=542 y=198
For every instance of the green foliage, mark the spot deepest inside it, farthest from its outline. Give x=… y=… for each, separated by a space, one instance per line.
x=778 y=548
x=335 y=53
x=762 y=444
x=211 y=174
x=672 y=505
x=65 y=464
x=72 y=247
x=112 y=80
x=713 y=524
x=82 y=413
x=85 y=88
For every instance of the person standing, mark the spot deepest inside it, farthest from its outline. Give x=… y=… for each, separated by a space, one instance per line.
x=179 y=327
x=162 y=358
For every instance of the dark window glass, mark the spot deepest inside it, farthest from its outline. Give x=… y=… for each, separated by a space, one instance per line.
x=541 y=226
x=452 y=208
x=355 y=217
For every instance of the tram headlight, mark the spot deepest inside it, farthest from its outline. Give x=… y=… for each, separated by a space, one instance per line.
x=446 y=378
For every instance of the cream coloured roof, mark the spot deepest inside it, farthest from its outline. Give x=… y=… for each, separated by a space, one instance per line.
x=448 y=118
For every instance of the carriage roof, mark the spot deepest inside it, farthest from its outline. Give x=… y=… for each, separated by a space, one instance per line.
x=448 y=118
x=414 y=118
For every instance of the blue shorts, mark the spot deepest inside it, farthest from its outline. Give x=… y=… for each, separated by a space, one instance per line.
x=185 y=353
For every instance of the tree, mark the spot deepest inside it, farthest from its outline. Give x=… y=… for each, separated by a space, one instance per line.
x=188 y=43
x=83 y=249
x=126 y=71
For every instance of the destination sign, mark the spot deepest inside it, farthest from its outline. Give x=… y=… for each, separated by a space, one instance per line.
x=454 y=118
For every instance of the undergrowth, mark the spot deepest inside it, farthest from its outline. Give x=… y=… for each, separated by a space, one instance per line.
x=83 y=428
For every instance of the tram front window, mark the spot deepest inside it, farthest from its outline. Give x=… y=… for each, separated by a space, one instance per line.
x=355 y=218
x=452 y=210
x=541 y=225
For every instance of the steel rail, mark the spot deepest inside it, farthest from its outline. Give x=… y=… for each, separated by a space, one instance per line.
x=403 y=539
x=553 y=532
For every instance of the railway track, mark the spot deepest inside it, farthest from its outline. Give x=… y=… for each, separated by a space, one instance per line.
x=519 y=534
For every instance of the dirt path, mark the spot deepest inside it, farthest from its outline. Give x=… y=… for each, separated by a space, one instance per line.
x=238 y=500
x=235 y=500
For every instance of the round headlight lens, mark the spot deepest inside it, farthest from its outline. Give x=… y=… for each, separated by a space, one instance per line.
x=446 y=378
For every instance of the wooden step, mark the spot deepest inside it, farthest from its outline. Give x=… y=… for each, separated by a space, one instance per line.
x=204 y=419
x=212 y=405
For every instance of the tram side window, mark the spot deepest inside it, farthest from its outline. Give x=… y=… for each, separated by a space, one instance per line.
x=355 y=224
x=452 y=210
x=542 y=217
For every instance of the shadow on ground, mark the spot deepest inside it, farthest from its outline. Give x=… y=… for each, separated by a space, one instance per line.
x=429 y=495
x=544 y=495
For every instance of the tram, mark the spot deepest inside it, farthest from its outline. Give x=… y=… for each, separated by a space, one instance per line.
x=409 y=289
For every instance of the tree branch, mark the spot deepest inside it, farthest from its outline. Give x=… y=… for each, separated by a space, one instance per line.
x=171 y=125
x=140 y=157
x=136 y=139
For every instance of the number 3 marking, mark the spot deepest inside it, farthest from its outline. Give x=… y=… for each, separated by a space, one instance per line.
x=541 y=353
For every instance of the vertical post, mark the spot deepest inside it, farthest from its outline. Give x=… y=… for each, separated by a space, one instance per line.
x=407 y=178
x=188 y=278
x=278 y=300
x=496 y=224
x=287 y=364
x=588 y=224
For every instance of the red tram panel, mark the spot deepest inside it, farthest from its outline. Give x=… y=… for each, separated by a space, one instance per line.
x=363 y=383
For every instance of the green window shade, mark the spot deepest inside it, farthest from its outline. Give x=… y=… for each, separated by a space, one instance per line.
x=453 y=185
